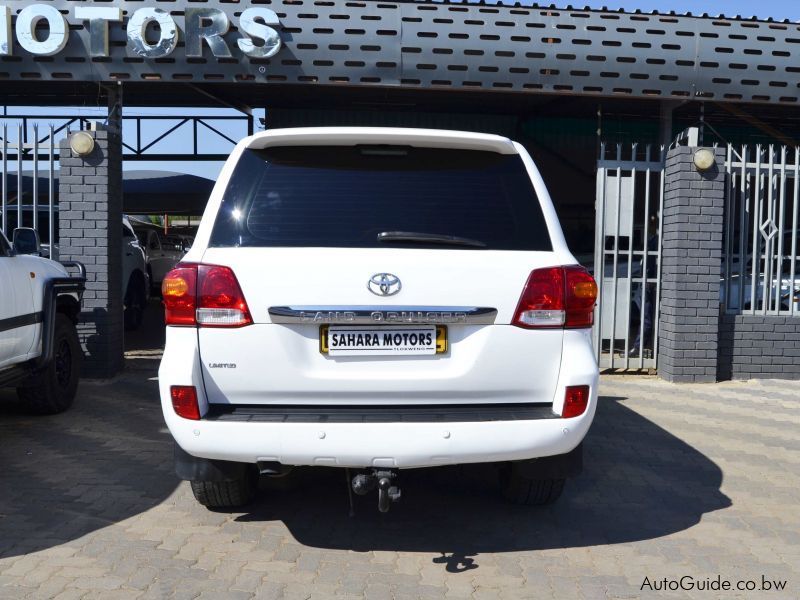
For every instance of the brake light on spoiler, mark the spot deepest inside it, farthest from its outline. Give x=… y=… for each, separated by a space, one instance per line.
x=198 y=295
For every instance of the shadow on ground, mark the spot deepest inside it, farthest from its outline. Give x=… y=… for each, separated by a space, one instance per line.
x=639 y=482
x=110 y=458
x=107 y=459
x=151 y=335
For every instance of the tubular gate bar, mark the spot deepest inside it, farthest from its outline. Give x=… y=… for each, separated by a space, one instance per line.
x=761 y=266
x=627 y=258
x=15 y=155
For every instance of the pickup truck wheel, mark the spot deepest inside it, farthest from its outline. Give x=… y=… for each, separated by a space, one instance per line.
x=527 y=491
x=55 y=389
x=225 y=494
x=135 y=299
x=155 y=287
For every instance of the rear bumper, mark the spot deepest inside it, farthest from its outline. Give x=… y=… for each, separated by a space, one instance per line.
x=397 y=445
x=379 y=444
x=192 y=468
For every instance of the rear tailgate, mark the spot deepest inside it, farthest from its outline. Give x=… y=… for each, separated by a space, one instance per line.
x=309 y=226
x=268 y=363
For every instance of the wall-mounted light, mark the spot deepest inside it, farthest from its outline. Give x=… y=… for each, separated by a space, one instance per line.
x=81 y=143
x=704 y=159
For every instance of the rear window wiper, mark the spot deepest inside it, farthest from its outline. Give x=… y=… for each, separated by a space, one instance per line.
x=428 y=238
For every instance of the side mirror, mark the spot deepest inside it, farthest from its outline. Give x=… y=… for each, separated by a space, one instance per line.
x=26 y=241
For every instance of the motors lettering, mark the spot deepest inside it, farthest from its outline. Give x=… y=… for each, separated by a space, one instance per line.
x=151 y=32
x=380 y=340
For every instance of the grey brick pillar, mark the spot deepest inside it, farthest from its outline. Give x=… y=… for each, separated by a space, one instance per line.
x=691 y=238
x=90 y=231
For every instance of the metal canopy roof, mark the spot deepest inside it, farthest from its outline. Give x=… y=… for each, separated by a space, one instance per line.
x=144 y=192
x=471 y=48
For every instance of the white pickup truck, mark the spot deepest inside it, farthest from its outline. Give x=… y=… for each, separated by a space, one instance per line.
x=135 y=279
x=39 y=305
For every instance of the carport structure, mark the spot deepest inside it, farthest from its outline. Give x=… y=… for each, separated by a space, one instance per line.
x=560 y=80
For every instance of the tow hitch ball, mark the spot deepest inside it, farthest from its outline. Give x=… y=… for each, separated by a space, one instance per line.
x=364 y=483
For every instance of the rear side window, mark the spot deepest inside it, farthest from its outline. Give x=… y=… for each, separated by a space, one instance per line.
x=345 y=196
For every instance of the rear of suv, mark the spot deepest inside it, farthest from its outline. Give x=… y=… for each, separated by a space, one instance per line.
x=378 y=299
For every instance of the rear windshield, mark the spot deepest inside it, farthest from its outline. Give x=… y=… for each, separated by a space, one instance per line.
x=346 y=196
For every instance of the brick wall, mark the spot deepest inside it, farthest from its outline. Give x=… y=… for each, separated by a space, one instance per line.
x=90 y=231
x=698 y=343
x=752 y=346
x=691 y=252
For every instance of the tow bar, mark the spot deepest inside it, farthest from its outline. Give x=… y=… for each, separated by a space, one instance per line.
x=363 y=483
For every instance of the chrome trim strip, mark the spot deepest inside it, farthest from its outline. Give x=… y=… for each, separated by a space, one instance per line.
x=372 y=315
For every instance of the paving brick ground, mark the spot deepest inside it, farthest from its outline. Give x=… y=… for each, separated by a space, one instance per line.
x=699 y=480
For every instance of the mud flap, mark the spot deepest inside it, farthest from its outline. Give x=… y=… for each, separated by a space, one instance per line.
x=552 y=467
x=192 y=468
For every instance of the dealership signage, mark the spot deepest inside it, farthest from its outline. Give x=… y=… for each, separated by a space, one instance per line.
x=43 y=30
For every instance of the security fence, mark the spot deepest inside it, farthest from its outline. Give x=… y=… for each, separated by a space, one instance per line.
x=761 y=267
x=627 y=257
x=28 y=167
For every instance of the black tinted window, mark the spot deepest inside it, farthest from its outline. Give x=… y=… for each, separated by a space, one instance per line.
x=324 y=196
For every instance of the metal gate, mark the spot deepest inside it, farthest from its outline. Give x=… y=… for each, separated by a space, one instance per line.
x=28 y=169
x=627 y=265
x=762 y=231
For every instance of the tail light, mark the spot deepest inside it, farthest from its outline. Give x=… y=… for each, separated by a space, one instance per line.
x=576 y=400
x=179 y=291
x=184 y=401
x=205 y=296
x=557 y=297
x=220 y=302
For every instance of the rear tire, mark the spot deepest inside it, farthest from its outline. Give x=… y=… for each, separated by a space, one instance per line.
x=135 y=299
x=155 y=288
x=225 y=494
x=56 y=386
x=527 y=491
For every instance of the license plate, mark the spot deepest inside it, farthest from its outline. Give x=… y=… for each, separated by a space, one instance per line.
x=353 y=340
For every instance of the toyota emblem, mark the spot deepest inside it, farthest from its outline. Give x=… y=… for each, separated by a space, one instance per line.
x=384 y=284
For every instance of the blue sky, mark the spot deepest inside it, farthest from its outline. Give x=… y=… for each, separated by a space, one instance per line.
x=777 y=9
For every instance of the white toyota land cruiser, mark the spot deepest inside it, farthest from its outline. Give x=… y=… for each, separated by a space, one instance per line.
x=378 y=299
